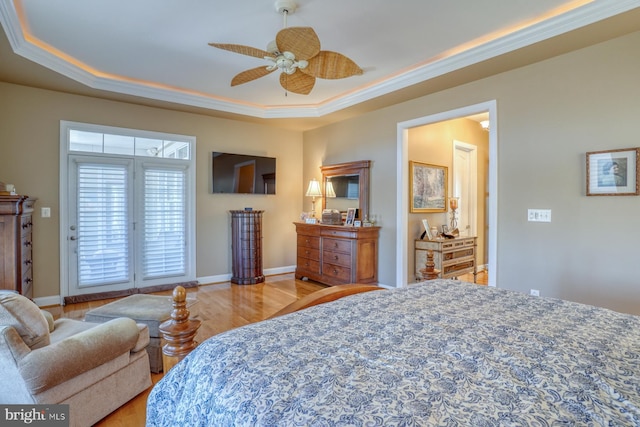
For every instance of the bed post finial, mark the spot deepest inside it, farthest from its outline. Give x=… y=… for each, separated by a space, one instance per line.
x=429 y=272
x=178 y=332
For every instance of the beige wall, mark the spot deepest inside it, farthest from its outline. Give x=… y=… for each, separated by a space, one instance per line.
x=433 y=144
x=549 y=115
x=29 y=147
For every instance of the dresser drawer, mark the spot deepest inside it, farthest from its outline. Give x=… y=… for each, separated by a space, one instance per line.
x=309 y=253
x=312 y=242
x=465 y=252
x=346 y=234
x=456 y=244
x=308 y=265
x=27 y=282
x=334 y=257
x=26 y=256
x=339 y=272
x=455 y=269
x=338 y=245
x=26 y=225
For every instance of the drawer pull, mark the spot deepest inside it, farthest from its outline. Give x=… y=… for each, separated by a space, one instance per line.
x=306 y=252
x=28 y=262
x=306 y=241
x=335 y=271
x=27 y=243
x=336 y=257
x=27 y=225
x=28 y=280
x=335 y=245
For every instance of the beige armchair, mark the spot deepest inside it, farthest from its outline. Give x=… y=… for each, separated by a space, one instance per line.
x=95 y=368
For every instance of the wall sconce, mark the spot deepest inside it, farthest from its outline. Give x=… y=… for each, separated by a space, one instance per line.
x=329 y=191
x=314 y=191
x=485 y=125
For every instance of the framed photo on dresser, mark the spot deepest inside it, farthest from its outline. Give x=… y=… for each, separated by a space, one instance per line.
x=351 y=216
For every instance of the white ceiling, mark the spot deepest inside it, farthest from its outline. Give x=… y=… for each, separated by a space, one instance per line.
x=157 y=49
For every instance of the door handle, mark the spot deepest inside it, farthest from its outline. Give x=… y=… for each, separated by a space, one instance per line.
x=73 y=238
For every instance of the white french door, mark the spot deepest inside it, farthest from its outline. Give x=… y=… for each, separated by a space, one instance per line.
x=101 y=221
x=128 y=218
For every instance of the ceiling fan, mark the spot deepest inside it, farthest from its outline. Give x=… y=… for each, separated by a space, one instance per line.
x=296 y=53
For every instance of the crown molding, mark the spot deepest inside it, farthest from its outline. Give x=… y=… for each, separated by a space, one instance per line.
x=572 y=20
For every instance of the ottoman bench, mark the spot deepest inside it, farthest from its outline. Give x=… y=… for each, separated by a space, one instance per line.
x=150 y=310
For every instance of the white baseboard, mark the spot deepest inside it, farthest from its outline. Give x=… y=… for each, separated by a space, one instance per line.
x=227 y=277
x=47 y=301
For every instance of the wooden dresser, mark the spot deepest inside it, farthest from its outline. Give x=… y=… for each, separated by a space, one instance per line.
x=246 y=247
x=336 y=254
x=452 y=257
x=16 y=258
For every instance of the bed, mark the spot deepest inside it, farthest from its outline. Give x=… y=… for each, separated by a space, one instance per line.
x=439 y=353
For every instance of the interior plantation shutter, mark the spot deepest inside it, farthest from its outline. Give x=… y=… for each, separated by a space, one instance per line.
x=164 y=226
x=103 y=226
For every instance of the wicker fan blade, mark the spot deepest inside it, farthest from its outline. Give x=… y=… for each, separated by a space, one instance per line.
x=249 y=75
x=297 y=82
x=303 y=42
x=331 y=65
x=242 y=49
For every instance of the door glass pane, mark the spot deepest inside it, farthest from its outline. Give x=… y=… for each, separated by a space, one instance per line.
x=164 y=222
x=103 y=228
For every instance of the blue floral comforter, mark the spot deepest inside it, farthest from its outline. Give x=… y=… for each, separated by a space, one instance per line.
x=441 y=353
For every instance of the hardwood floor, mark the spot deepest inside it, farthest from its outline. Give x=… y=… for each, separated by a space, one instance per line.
x=221 y=307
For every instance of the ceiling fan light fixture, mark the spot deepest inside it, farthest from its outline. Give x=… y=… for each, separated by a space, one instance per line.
x=272 y=47
x=295 y=48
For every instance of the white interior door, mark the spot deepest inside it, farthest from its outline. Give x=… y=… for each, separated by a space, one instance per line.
x=465 y=184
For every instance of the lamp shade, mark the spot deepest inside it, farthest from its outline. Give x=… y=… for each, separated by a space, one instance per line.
x=329 y=191
x=314 y=188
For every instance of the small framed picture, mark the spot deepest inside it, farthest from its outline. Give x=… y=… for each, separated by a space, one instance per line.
x=357 y=223
x=445 y=229
x=351 y=216
x=427 y=229
x=613 y=172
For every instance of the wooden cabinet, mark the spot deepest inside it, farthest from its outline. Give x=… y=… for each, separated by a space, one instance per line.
x=452 y=257
x=246 y=247
x=16 y=257
x=336 y=255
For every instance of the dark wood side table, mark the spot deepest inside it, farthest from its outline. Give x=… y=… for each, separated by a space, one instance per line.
x=246 y=247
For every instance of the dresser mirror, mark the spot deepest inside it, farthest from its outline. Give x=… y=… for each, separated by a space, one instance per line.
x=346 y=185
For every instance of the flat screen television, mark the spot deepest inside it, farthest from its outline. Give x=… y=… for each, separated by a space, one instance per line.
x=244 y=174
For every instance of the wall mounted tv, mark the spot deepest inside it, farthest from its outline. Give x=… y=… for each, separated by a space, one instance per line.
x=245 y=174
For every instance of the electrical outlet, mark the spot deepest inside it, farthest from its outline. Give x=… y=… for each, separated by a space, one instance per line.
x=534 y=292
x=45 y=212
x=539 y=215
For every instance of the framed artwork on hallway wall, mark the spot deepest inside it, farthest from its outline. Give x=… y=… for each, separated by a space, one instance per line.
x=613 y=172
x=428 y=187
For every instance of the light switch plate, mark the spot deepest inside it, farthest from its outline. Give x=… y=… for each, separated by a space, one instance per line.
x=45 y=212
x=539 y=215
